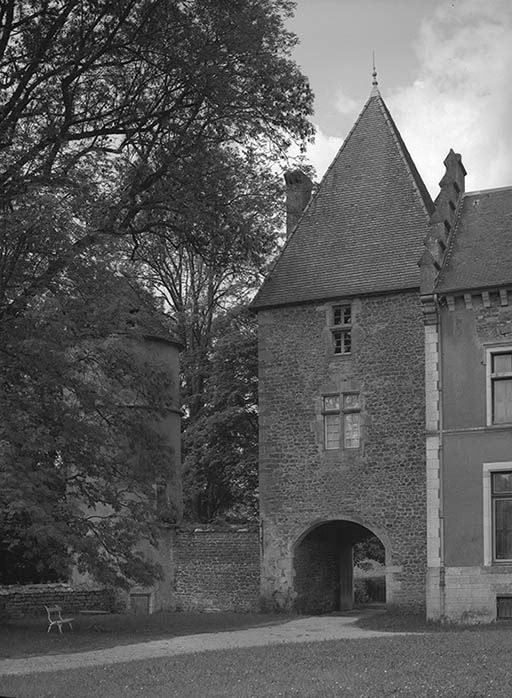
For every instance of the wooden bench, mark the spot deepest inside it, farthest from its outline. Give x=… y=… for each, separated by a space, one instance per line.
x=55 y=618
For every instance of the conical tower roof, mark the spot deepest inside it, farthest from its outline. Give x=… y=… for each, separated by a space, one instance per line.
x=363 y=231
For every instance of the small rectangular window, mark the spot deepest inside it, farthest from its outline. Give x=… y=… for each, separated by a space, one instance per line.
x=501 y=387
x=341 y=328
x=501 y=491
x=342 y=315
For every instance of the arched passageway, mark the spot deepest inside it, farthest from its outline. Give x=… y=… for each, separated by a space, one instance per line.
x=324 y=566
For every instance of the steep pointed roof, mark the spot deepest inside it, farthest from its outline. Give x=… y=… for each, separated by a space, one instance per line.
x=363 y=230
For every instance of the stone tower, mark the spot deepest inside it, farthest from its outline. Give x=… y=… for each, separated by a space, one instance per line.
x=341 y=361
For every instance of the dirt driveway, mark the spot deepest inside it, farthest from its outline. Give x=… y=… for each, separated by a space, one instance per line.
x=308 y=629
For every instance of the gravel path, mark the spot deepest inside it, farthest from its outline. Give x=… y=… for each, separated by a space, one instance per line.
x=311 y=629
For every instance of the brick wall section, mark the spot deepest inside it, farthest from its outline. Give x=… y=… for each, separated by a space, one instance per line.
x=381 y=486
x=31 y=599
x=217 y=568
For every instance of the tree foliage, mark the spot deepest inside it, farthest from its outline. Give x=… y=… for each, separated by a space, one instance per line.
x=116 y=97
x=126 y=128
x=221 y=440
x=206 y=285
x=80 y=444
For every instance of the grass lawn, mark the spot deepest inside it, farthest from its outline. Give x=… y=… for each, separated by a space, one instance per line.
x=28 y=636
x=466 y=664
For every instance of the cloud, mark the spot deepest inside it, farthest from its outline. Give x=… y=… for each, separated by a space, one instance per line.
x=346 y=105
x=462 y=97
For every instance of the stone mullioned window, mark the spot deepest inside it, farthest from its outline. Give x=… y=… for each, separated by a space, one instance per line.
x=342 y=421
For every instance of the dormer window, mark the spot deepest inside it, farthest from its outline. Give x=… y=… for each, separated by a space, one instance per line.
x=341 y=328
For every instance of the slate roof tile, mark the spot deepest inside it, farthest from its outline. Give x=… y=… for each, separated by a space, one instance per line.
x=479 y=253
x=363 y=230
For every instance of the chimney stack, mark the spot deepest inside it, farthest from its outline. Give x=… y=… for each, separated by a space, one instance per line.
x=298 y=194
x=450 y=195
x=442 y=221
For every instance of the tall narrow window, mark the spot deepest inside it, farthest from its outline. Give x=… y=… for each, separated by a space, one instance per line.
x=341 y=328
x=331 y=414
x=351 y=420
x=501 y=489
x=501 y=387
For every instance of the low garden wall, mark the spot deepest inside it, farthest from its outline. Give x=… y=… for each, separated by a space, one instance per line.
x=30 y=599
x=217 y=568
x=212 y=568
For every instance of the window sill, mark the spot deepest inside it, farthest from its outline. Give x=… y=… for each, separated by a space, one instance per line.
x=499 y=567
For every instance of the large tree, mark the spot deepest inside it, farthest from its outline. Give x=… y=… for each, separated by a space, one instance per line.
x=206 y=281
x=121 y=94
x=111 y=114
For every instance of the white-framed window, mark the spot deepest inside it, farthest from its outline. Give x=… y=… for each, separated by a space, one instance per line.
x=499 y=385
x=342 y=421
x=497 y=509
x=341 y=328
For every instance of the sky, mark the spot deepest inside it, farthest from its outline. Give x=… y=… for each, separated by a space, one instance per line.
x=444 y=70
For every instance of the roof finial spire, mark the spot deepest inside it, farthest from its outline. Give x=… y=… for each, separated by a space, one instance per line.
x=375 y=84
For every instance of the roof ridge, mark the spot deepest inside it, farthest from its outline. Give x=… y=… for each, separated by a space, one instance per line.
x=451 y=240
x=487 y=191
x=347 y=138
x=416 y=178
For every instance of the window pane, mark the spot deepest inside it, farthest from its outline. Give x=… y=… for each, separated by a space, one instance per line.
x=342 y=342
x=341 y=315
x=502 y=400
x=351 y=402
x=332 y=403
x=338 y=343
x=332 y=431
x=502 y=363
x=352 y=430
x=502 y=482
x=503 y=528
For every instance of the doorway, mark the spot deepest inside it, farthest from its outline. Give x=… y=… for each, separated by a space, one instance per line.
x=324 y=565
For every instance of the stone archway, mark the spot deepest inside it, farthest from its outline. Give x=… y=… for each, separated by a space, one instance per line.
x=323 y=566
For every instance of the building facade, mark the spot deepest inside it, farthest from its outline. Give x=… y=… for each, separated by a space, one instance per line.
x=468 y=323
x=385 y=405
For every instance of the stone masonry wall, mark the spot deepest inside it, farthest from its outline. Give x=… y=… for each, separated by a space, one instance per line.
x=217 y=568
x=20 y=600
x=381 y=485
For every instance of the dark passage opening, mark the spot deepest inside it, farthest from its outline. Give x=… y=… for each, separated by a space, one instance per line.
x=324 y=568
